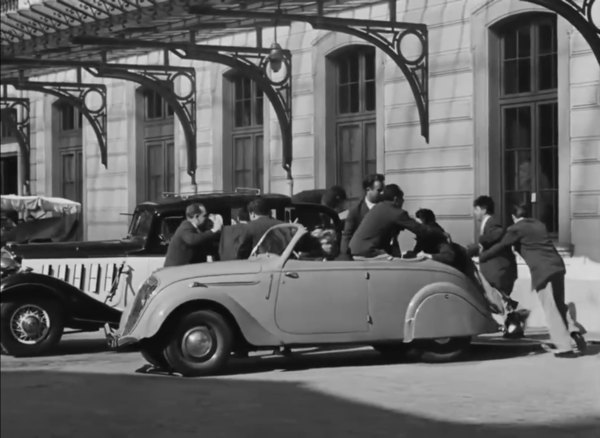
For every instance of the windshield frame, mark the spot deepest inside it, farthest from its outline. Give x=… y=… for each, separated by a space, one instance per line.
x=140 y=225
x=300 y=230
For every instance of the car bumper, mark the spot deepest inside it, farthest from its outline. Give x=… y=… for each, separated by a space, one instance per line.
x=115 y=340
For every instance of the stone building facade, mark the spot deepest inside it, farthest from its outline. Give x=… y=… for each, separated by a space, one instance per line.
x=514 y=95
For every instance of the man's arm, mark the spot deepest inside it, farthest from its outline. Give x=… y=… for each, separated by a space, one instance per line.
x=511 y=238
x=445 y=255
x=192 y=238
x=492 y=235
x=350 y=226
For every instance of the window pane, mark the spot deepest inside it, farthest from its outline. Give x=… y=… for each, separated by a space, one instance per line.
x=344 y=103
x=370 y=96
x=170 y=168
x=154 y=166
x=510 y=77
x=370 y=65
x=510 y=45
x=524 y=71
x=350 y=159
x=258 y=162
x=524 y=41
x=370 y=148
x=354 y=98
x=242 y=161
x=353 y=67
x=547 y=78
x=258 y=109
x=548 y=124
x=547 y=38
x=517 y=127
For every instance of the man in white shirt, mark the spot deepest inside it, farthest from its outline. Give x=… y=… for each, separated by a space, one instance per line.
x=500 y=271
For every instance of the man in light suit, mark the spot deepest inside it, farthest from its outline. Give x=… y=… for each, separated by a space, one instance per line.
x=191 y=242
x=500 y=271
x=373 y=186
x=530 y=239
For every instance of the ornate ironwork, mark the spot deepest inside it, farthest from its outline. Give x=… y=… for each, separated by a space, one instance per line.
x=89 y=98
x=385 y=35
x=250 y=62
x=156 y=77
x=15 y=111
x=582 y=15
x=162 y=80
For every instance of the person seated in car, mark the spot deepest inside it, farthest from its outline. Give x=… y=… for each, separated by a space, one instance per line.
x=377 y=234
x=440 y=248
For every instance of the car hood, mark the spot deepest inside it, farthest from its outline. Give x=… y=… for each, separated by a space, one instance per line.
x=202 y=270
x=101 y=248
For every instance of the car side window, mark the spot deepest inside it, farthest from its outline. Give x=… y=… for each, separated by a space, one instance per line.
x=168 y=227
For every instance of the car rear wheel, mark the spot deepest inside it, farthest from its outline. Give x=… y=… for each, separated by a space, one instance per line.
x=155 y=356
x=30 y=327
x=201 y=344
x=442 y=349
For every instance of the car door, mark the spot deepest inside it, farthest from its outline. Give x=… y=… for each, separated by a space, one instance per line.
x=319 y=297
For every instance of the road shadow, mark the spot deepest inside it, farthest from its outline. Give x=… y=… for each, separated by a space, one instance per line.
x=63 y=404
x=345 y=357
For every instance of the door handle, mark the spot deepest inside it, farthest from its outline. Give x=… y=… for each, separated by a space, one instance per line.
x=291 y=274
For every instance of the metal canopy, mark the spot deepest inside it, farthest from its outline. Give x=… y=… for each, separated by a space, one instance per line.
x=580 y=14
x=247 y=61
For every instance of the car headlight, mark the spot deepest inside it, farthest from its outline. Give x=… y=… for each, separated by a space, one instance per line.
x=147 y=291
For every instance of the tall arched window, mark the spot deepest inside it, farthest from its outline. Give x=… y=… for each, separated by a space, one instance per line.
x=525 y=105
x=354 y=108
x=70 y=155
x=243 y=128
x=159 y=146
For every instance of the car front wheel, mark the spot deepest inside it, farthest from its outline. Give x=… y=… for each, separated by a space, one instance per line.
x=442 y=349
x=201 y=344
x=30 y=328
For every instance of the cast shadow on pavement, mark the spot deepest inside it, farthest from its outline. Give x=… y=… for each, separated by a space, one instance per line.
x=62 y=404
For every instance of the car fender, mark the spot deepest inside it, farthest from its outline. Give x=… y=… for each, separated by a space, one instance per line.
x=76 y=304
x=169 y=302
x=445 y=309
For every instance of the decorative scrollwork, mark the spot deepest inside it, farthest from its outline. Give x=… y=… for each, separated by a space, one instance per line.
x=89 y=98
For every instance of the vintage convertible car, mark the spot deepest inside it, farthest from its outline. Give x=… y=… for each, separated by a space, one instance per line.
x=84 y=285
x=190 y=318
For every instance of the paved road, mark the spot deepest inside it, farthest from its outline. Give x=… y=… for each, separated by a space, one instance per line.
x=500 y=391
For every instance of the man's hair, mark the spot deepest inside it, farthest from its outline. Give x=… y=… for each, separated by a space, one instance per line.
x=520 y=210
x=392 y=191
x=334 y=196
x=243 y=215
x=426 y=215
x=371 y=179
x=194 y=209
x=485 y=202
x=259 y=206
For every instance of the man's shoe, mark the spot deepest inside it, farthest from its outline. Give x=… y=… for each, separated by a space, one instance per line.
x=566 y=355
x=579 y=341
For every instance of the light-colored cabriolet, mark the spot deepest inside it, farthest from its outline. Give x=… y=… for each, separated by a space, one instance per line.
x=190 y=319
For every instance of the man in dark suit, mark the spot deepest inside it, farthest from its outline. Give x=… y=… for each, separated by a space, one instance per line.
x=377 y=234
x=500 y=271
x=334 y=197
x=373 y=186
x=530 y=239
x=260 y=222
x=192 y=240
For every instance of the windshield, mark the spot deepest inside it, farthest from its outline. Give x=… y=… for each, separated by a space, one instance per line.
x=140 y=224
x=276 y=240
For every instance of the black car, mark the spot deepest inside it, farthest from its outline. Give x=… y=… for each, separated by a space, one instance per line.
x=49 y=287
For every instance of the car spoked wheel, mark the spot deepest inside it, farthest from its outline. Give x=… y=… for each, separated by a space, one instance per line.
x=201 y=345
x=30 y=328
x=30 y=324
x=443 y=349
